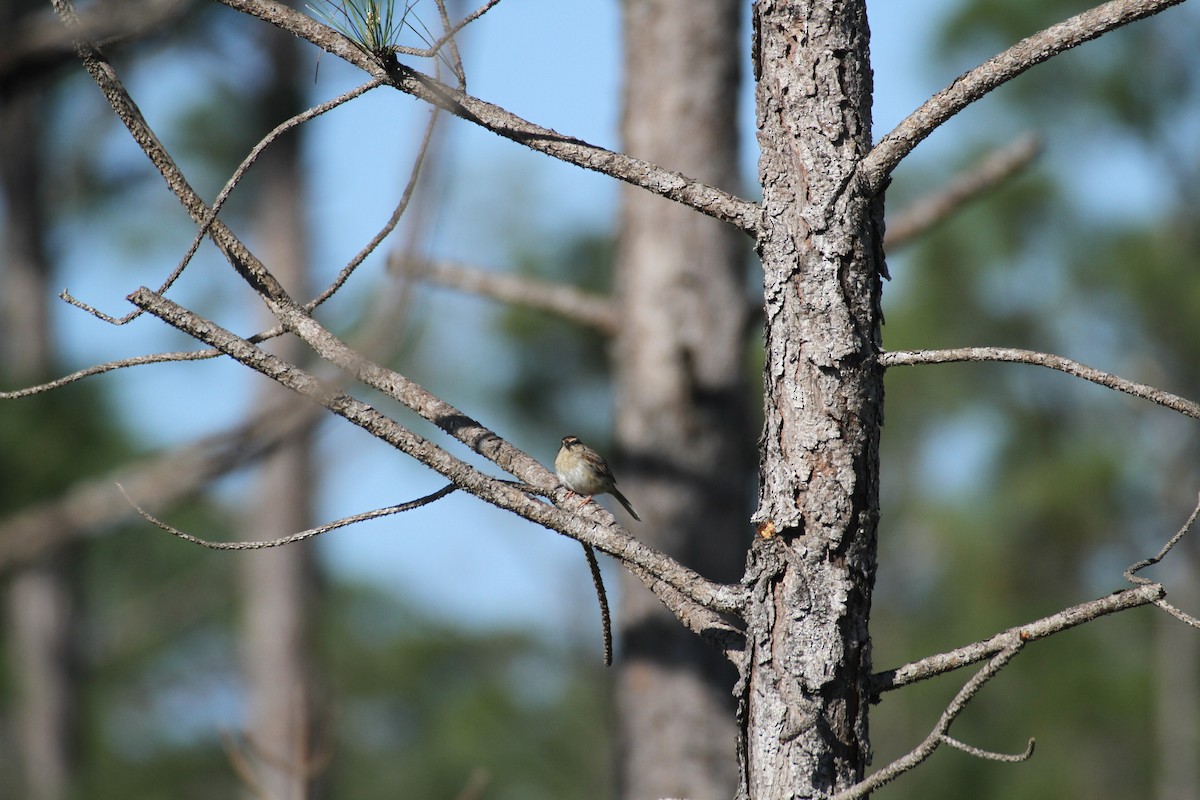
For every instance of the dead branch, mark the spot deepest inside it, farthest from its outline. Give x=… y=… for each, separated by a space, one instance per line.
x=1132 y=576
x=999 y=69
x=577 y=305
x=704 y=198
x=92 y=505
x=260 y=544
x=901 y=358
x=932 y=666
x=938 y=735
x=928 y=211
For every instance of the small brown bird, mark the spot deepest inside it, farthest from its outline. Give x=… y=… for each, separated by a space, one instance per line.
x=584 y=471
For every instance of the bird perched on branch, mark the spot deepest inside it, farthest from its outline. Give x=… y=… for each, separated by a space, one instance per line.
x=585 y=472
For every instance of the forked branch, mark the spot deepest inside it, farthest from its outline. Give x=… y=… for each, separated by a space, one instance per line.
x=932 y=666
x=938 y=735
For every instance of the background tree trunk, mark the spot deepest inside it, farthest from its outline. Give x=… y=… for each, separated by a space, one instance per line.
x=280 y=585
x=682 y=409
x=41 y=598
x=813 y=565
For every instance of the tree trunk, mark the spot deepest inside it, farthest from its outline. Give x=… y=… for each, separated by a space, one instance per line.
x=41 y=598
x=280 y=584
x=682 y=407
x=804 y=701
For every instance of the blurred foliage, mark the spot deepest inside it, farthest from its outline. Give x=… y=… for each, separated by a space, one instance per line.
x=1010 y=491
x=561 y=367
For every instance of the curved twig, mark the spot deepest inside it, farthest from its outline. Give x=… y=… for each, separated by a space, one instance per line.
x=1131 y=573
x=969 y=87
x=903 y=358
x=295 y=537
x=223 y=196
x=938 y=736
x=989 y=755
x=1132 y=576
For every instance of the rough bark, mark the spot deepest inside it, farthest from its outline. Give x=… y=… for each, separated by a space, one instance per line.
x=682 y=421
x=280 y=585
x=811 y=570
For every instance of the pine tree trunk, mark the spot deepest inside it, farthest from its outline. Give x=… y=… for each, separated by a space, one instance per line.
x=682 y=420
x=41 y=599
x=803 y=703
x=280 y=585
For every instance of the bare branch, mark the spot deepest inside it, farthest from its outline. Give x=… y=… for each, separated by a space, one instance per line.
x=1011 y=758
x=92 y=505
x=233 y=181
x=271 y=333
x=402 y=206
x=938 y=735
x=903 y=358
x=999 y=69
x=295 y=537
x=941 y=663
x=1132 y=576
x=984 y=176
x=592 y=526
x=1178 y=613
x=672 y=185
x=1131 y=573
x=580 y=306
x=100 y=369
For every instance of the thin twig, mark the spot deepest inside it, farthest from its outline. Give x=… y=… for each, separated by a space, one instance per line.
x=1131 y=573
x=1132 y=576
x=109 y=366
x=902 y=358
x=969 y=87
x=928 y=211
x=455 y=58
x=577 y=305
x=990 y=755
x=402 y=206
x=295 y=537
x=223 y=196
x=92 y=505
x=938 y=735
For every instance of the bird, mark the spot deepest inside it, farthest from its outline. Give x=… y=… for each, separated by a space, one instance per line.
x=584 y=471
